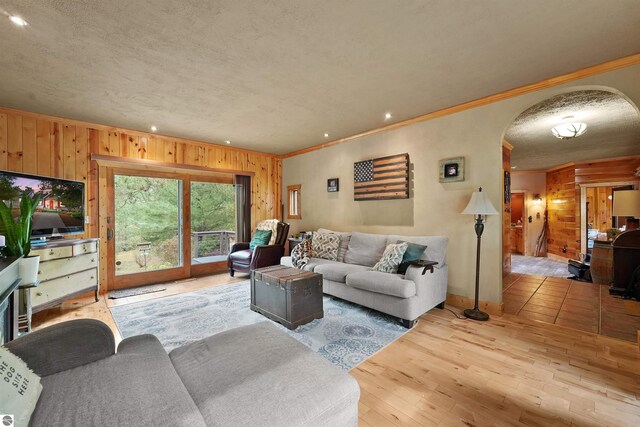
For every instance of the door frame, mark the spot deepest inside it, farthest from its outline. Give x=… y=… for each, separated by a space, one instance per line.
x=525 y=218
x=210 y=267
x=107 y=227
x=147 y=277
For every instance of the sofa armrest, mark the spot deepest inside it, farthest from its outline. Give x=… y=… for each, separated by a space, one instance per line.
x=431 y=286
x=266 y=255
x=240 y=246
x=64 y=346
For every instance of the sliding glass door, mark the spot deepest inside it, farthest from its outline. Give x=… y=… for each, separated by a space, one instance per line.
x=167 y=226
x=148 y=224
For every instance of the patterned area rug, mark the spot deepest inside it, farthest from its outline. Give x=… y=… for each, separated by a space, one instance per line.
x=347 y=335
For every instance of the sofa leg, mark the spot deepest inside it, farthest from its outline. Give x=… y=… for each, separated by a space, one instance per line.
x=440 y=306
x=408 y=323
x=231 y=272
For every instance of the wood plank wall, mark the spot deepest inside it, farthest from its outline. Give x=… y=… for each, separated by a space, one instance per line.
x=563 y=205
x=563 y=198
x=43 y=145
x=600 y=207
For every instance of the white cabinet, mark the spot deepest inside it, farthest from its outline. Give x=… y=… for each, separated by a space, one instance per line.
x=68 y=268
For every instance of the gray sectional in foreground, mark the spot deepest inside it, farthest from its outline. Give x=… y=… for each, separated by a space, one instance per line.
x=404 y=296
x=252 y=375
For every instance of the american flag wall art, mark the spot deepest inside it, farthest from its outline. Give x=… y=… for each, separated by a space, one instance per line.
x=382 y=178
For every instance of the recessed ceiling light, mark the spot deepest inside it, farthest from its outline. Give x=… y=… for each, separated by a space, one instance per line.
x=153 y=128
x=387 y=116
x=18 y=21
x=227 y=142
x=513 y=167
x=326 y=135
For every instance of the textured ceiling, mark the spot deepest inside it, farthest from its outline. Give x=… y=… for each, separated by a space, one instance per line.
x=613 y=130
x=276 y=75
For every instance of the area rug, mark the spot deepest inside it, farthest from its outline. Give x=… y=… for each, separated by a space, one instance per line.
x=347 y=335
x=131 y=292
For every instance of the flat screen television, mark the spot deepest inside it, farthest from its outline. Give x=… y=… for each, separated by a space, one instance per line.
x=61 y=208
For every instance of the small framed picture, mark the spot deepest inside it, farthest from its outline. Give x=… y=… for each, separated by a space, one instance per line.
x=452 y=170
x=333 y=185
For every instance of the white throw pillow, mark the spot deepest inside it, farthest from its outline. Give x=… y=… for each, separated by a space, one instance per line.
x=269 y=224
x=325 y=245
x=391 y=258
x=20 y=388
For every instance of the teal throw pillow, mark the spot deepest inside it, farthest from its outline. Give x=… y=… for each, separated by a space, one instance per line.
x=260 y=237
x=413 y=253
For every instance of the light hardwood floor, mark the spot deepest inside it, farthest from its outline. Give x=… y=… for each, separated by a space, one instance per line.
x=448 y=371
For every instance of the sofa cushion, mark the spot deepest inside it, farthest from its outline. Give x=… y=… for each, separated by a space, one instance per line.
x=260 y=237
x=243 y=376
x=325 y=245
x=301 y=254
x=436 y=246
x=382 y=283
x=338 y=271
x=413 y=253
x=20 y=388
x=365 y=249
x=344 y=242
x=137 y=386
x=271 y=225
x=391 y=258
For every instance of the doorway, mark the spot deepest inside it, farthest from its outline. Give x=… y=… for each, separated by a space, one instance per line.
x=518 y=224
x=166 y=226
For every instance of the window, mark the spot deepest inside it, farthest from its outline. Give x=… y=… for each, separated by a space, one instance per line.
x=294 y=211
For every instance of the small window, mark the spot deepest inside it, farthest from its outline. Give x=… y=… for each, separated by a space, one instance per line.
x=294 y=202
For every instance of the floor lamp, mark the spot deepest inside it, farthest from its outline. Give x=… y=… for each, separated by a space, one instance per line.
x=479 y=206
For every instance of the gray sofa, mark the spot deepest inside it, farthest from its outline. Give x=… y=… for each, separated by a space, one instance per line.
x=253 y=375
x=404 y=296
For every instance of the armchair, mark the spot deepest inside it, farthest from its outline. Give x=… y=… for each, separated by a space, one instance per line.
x=244 y=260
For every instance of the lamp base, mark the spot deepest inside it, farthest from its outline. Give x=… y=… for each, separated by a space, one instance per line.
x=476 y=314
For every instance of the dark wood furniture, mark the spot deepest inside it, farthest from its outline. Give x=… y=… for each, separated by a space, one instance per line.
x=287 y=295
x=626 y=258
x=601 y=262
x=428 y=265
x=245 y=260
x=9 y=299
x=293 y=242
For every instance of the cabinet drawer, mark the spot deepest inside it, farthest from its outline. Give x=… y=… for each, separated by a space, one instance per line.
x=65 y=266
x=85 y=248
x=63 y=286
x=53 y=253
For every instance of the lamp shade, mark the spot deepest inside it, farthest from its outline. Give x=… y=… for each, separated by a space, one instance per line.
x=626 y=203
x=479 y=205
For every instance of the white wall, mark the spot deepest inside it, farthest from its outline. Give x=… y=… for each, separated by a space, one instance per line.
x=434 y=208
x=531 y=183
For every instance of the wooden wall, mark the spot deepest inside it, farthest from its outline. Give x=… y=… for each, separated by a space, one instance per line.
x=600 y=207
x=37 y=144
x=563 y=198
x=563 y=213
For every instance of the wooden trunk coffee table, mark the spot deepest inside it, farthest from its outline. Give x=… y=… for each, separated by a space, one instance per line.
x=287 y=295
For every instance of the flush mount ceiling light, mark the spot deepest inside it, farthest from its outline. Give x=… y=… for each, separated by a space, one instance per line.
x=326 y=135
x=569 y=130
x=387 y=116
x=18 y=21
x=153 y=128
x=227 y=142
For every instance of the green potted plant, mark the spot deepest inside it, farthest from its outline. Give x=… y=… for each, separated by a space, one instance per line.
x=18 y=234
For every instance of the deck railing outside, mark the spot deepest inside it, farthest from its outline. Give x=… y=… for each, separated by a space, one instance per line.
x=222 y=241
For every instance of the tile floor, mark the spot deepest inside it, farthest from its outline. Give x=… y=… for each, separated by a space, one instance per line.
x=541 y=266
x=577 y=305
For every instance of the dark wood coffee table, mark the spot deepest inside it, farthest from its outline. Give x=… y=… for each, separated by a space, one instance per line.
x=287 y=295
